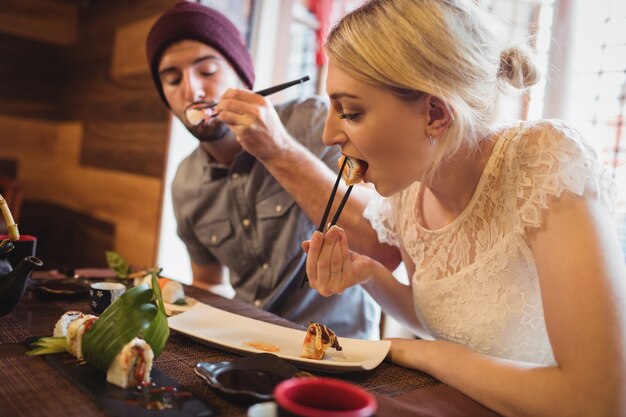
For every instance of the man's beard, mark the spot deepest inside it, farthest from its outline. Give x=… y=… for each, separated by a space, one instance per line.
x=212 y=132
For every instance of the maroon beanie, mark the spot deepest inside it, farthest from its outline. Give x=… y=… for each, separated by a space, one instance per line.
x=197 y=22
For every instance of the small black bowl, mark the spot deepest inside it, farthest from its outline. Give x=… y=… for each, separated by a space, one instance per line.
x=55 y=289
x=249 y=380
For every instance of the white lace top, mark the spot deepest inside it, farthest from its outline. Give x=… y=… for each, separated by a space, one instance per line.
x=475 y=280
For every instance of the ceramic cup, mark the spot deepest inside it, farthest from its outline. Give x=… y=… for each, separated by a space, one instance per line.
x=322 y=397
x=103 y=294
x=25 y=246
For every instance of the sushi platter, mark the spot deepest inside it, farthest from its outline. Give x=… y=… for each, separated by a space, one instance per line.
x=131 y=402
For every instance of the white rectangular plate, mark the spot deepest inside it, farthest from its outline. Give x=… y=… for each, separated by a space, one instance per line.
x=231 y=332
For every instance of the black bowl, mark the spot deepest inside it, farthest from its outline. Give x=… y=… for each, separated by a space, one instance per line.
x=251 y=379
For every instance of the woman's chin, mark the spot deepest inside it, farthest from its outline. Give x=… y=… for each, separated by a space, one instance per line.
x=387 y=189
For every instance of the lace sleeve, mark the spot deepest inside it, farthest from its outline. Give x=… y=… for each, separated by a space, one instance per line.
x=380 y=213
x=551 y=160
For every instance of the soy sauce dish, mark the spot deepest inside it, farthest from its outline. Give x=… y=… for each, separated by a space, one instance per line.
x=252 y=378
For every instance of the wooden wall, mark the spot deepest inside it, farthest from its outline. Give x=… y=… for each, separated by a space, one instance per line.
x=82 y=128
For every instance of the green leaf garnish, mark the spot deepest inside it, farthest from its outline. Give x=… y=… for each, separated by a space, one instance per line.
x=118 y=264
x=46 y=345
x=125 y=319
x=156 y=335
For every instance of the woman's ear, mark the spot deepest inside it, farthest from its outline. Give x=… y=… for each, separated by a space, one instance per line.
x=439 y=117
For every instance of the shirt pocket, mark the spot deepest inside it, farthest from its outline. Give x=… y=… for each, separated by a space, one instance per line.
x=274 y=206
x=214 y=234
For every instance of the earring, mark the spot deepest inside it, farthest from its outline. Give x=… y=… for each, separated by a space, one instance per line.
x=432 y=140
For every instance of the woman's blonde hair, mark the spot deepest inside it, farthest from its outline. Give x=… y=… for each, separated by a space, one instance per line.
x=450 y=49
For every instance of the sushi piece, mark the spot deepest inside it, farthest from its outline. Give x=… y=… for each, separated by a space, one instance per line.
x=354 y=170
x=75 y=332
x=172 y=291
x=318 y=338
x=195 y=115
x=131 y=367
x=60 y=328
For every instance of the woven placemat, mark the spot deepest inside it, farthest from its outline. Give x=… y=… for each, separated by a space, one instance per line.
x=36 y=398
x=11 y=331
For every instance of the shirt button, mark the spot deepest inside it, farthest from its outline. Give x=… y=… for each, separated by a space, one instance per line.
x=213 y=238
x=279 y=208
x=245 y=222
x=235 y=176
x=257 y=303
x=265 y=267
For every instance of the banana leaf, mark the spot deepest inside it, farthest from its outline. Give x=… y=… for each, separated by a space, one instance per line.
x=157 y=334
x=118 y=264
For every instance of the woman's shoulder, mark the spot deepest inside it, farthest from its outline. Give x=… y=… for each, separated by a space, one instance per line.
x=545 y=158
x=533 y=139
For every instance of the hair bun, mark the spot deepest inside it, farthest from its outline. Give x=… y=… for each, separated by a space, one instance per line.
x=517 y=67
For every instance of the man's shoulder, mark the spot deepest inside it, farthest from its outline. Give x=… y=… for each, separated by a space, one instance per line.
x=304 y=119
x=304 y=108
x=189 y=167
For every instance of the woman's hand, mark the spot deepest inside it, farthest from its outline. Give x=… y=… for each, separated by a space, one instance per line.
x=330 y=266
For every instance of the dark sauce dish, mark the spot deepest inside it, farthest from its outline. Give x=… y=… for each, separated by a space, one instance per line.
x=70 y=288
x=251 y=379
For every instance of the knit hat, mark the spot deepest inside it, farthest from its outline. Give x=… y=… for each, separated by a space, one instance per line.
x=194 y=21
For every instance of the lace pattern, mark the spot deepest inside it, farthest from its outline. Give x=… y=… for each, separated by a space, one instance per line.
x=475 y=280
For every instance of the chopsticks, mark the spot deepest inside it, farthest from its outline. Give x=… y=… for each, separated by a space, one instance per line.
x=322 y=225
x=264 y=92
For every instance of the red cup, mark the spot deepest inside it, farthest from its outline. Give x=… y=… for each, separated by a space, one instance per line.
x=323 y=397
x=25 y=246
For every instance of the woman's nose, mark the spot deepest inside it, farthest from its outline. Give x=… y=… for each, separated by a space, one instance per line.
x=333 y=135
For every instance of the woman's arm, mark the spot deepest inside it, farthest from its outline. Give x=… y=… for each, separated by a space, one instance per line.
x=582 y=278
x=332 y=267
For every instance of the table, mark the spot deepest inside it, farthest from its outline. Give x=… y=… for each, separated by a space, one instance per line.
x=29 y=386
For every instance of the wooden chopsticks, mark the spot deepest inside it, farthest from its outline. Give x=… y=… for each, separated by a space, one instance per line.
x=322 y=226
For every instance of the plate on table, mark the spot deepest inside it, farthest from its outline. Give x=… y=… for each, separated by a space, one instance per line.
x=248 y=336
x=70 y=288
x=173 y=309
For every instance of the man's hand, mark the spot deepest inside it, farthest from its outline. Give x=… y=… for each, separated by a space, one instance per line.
x=255 y=123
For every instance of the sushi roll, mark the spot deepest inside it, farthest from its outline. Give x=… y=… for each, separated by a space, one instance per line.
x=354 y=170
x=318 y=338
x=195 y=115
x=131 y=367
x=60 y=328
x=75 y=332
x=172 y=291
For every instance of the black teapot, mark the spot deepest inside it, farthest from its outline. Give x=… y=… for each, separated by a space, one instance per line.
x=13 y=278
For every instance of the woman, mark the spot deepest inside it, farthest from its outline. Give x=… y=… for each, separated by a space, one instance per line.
x=516 y=275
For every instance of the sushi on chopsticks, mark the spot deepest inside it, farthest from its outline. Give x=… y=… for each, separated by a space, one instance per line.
x=121 y=343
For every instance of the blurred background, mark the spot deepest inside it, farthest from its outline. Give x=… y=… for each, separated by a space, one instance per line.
x=88 y=151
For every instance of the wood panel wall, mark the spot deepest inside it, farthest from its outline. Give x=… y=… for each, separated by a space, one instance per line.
x=81 y=121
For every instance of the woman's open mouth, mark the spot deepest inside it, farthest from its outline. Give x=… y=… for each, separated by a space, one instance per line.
x=354 y=169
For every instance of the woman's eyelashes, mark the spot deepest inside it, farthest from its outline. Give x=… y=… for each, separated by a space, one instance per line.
x=349 y=116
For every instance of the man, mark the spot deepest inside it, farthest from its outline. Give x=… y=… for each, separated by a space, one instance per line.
x=257 y=184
